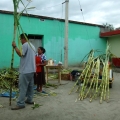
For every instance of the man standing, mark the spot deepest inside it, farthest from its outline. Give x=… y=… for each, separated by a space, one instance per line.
x=27 y=69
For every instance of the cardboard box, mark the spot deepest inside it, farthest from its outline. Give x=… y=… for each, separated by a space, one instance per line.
x=65 y=76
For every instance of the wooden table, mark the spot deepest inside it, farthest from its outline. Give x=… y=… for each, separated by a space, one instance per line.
x=58 y=67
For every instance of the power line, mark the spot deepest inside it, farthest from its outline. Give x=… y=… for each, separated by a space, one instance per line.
x=49 y=7
x=84 y=21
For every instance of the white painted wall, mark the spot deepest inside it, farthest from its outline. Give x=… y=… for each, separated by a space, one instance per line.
x=115 y=45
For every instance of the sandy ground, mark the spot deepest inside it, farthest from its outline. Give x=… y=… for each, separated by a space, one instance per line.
x=64 y=107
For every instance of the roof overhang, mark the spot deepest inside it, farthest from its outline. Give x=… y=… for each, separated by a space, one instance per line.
x=110 y=33
x=51 y=18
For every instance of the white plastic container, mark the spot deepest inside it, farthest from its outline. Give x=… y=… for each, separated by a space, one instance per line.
x=50 y=62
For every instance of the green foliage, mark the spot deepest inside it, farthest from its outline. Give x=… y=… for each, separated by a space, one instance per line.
x=108 y=26
x=36 y=106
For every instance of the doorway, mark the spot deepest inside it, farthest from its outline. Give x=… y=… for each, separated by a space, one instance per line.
x=36 y=40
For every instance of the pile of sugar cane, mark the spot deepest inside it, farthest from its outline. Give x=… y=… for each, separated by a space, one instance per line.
x=92 y=86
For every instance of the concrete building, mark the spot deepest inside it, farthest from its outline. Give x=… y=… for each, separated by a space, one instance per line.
x=49 y=33
x=113 y=38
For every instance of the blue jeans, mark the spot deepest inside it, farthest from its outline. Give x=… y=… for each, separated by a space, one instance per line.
x=26 y=88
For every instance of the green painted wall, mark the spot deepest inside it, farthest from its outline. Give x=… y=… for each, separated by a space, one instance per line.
x=6 y=33
x=82 y=38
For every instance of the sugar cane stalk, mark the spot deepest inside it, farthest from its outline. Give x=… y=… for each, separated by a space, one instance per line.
x=106 y=79
x=16 y=26
x=97 y=71
x=83 y=72
x=107 y=99
x=85 y=79
x=15 y=3
x=95 y=86
x=91 y=81
x=77 y=82
x=89 y=76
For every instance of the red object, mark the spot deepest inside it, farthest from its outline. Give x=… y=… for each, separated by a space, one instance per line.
x=110 y=33
x=38 y=61
x=116 y=62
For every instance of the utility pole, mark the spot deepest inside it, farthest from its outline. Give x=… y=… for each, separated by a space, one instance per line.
x=66 y=35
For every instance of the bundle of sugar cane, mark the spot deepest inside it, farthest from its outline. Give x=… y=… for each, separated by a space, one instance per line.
x=52 y=76
x=105 y=78
x=66 y=71
x=5 y=77
x=104 y=87
x=85 y=71
x=94 y=89
x=86 y=79
x=90 y=77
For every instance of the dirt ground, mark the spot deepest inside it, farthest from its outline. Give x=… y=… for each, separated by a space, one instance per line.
x=63 y=106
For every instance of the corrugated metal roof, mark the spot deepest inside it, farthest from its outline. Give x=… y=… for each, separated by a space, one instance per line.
x=110 y=33
x=50 y=18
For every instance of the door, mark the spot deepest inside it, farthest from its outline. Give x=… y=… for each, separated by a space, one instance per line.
x=36 y=42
